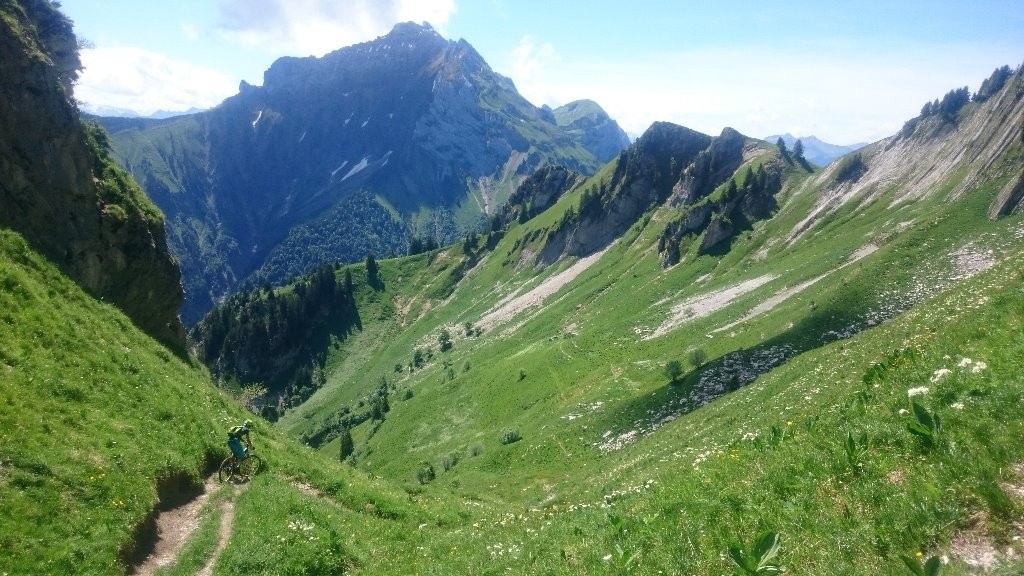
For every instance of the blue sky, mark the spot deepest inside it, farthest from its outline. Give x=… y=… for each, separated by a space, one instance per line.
x=846 y=72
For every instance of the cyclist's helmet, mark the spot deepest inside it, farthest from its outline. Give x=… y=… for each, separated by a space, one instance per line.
x=247 y=424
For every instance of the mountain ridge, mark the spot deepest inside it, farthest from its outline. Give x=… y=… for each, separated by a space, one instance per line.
x=419 y=121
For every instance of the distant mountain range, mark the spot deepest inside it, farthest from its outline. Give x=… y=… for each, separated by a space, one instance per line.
x=357 y=152
x=126 y=113
x=818 y=152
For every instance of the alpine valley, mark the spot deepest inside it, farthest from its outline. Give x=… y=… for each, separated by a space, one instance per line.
x=687 y=354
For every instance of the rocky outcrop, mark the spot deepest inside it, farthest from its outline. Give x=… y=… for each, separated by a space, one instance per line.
x=682 y=169
x=539 y=192
x=710 y=168
x=1010 y=198
x=644 y=177
x=60 y=189
x=749 y=197
x=953 y=148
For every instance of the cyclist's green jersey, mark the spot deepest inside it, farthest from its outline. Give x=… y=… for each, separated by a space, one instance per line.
x=237 y=431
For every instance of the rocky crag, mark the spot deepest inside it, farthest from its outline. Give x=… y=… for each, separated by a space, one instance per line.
x=60 y=188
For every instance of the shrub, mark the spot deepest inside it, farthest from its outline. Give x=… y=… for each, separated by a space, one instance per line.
x=425 y=473
x=347 y=445
x=850 y=169
x=448 y=461
x=407 y=394
x=476 y=449
x=697 y=357
x=673 y=369
x=509 y=436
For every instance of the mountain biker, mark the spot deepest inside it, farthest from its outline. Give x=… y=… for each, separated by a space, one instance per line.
x=235 y=436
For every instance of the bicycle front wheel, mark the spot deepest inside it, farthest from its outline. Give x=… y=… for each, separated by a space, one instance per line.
x=251 y=465
x=224 y=472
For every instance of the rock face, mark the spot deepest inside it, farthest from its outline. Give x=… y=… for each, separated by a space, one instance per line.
x=592 y=127
x=419 y=122
x=644 y=176
x=966 y=145
x=678 y=167
x=539 y=192
x=60 y=189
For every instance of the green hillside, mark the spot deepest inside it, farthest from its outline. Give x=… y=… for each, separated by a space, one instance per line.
x=580 y=375
x=100 y=426
x=704 y=357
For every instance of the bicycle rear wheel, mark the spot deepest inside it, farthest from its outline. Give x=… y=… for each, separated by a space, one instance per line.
x=251 y=466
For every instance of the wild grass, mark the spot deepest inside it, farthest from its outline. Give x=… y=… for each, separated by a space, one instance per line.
x=615 y=469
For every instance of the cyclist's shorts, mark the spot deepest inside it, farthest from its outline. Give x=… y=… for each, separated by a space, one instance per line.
x=236 y=447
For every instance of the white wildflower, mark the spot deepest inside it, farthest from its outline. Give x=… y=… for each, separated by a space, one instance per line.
x=940 y=374
x=957 y=406
x=917 y=391
x=904 y=412
x=964 y=362
x=978 y=367
x=607 y=558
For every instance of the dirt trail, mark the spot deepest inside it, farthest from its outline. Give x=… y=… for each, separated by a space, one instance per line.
x=227 y=522
x=176 y=526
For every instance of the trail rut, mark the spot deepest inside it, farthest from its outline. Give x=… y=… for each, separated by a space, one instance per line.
x=176 y=526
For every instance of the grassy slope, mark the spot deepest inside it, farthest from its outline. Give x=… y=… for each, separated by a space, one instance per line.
x=91 y=406
x=577 y=354
x=94 y=414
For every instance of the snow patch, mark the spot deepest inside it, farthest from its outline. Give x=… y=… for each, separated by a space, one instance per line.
x=338 y=169
x=357 y=168
x=257 y=120
x=303 y=137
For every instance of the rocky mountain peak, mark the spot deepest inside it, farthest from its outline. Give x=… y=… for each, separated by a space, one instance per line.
x=419 y=121
x=593 y=126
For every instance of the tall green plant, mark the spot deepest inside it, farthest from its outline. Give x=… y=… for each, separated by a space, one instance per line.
x=759 y=560
x=926 y=424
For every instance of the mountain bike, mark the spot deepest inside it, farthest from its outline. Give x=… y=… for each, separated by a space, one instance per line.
x=231 y=469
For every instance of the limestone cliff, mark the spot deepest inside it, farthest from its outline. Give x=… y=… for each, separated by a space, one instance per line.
x=60 y=188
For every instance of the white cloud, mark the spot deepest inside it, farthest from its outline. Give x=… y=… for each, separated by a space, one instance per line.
x=315 y=27
x=840 y=96
x=530 y=63
x=190 y=31
x=144 y=82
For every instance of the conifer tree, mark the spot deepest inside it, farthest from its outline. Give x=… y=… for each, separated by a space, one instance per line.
x=347 y=445
x=782 y=148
